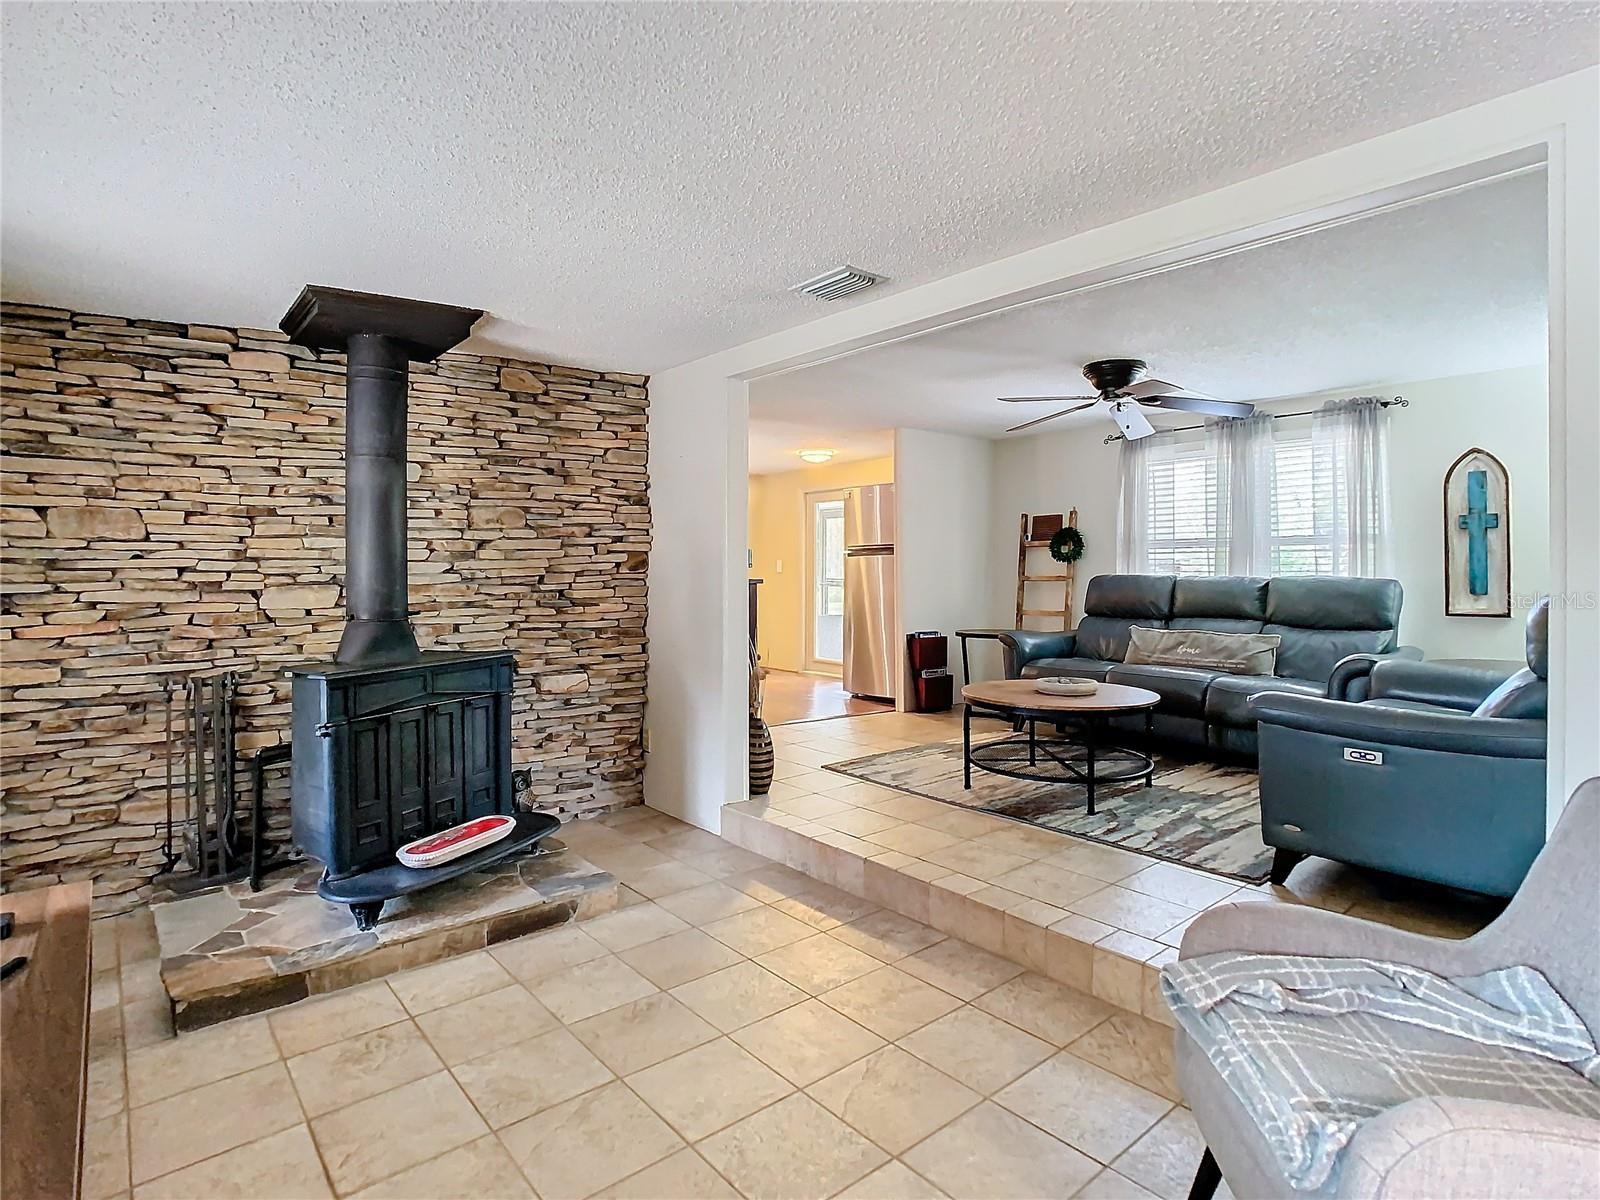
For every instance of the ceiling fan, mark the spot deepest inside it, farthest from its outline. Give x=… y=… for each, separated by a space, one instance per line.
x=1118 y=382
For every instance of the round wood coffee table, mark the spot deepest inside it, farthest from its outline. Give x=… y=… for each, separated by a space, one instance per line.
x=1084 y=759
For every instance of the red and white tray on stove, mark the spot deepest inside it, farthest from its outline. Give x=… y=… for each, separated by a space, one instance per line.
x=451 y=843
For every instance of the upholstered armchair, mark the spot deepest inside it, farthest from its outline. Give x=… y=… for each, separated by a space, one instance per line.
x=1433 y=1146
x=1433 y=771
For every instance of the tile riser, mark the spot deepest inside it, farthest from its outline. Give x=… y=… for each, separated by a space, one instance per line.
x=1124 y=982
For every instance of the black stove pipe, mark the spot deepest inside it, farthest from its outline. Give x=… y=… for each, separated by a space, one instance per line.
x=379 y=336
x=378 y=628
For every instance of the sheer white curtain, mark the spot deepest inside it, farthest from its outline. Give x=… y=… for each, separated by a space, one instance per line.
x=1133 y=514
x=1243 y=450
x=1350 y=461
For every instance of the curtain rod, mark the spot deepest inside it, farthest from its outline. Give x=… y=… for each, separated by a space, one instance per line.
x=1397 y=402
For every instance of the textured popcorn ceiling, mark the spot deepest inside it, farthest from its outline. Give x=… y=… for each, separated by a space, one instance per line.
x=637 y=185
x=1448 y=286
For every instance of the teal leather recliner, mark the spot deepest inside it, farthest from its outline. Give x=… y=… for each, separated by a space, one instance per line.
x=1434 y=771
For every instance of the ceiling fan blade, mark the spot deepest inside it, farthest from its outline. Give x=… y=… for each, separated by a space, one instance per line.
x=1155 y=387
x=1196 y=404
x=1064 y=412
x=1041 y=399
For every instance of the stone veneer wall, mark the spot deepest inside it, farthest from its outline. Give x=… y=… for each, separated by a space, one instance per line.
x=174 y=501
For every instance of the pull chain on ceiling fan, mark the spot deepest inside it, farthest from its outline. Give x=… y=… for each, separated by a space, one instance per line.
x=1123 y=388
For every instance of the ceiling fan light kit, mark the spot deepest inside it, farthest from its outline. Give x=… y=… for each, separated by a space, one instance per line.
x=1125 y=391
x=1133 y=423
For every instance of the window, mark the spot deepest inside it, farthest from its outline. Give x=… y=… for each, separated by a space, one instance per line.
x=1184 y=534
x=1257 y=497
x=1302 y=539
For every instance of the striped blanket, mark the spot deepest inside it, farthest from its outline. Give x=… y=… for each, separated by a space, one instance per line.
x=1312 y=1047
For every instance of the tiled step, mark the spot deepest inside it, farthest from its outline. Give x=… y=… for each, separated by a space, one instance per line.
x=948 y=905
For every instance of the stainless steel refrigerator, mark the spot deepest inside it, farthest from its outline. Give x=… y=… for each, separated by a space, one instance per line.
x=871 y=667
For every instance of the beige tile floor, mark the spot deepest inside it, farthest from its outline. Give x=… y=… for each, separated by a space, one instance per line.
x=738 y=1027
x=745 y=1031
x=1094 y=917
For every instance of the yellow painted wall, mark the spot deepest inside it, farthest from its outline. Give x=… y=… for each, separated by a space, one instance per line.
x=777 y=534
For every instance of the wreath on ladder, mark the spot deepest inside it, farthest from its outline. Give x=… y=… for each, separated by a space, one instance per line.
x=1066 y=545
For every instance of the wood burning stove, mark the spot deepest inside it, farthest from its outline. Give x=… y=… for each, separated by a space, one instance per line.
x=386 y=754
x=391 y=743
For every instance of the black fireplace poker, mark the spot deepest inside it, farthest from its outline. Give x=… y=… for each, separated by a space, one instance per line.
x=379 y=335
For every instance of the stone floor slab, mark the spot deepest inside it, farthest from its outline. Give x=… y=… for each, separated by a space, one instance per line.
x=231 y=952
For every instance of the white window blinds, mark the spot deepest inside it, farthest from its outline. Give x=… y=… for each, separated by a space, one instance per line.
x=1302 y=535
x=1260 y=497
x=1184 y=531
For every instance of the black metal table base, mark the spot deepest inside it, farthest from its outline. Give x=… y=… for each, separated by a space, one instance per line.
x=1085 y=760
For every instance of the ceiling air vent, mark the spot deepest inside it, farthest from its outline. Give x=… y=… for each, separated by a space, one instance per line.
x=838 y=283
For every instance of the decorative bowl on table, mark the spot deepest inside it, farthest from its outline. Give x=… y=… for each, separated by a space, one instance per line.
x=1065 y=687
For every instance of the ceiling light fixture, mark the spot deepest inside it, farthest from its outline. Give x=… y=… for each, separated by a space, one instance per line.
x=816 y=456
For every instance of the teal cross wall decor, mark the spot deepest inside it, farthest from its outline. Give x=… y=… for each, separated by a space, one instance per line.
x=1477 y=521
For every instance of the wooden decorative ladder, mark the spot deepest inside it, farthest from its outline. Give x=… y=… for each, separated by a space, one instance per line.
x=1063 y=578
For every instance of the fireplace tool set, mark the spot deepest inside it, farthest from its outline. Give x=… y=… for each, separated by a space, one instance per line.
x=201 y=780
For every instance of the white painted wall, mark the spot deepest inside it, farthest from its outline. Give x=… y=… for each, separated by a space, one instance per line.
x=1051 y=473
x=943 y=491
x=1504 y=412
x=699 y=411
x=1574 y=752
x=697 y=756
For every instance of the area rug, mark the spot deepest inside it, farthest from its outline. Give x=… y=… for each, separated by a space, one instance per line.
x=1200 y=814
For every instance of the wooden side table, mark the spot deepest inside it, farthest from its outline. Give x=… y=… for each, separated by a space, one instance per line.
x=981 y=635
x=44 y=1047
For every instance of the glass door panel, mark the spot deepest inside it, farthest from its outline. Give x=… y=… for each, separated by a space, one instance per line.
x=825 y=600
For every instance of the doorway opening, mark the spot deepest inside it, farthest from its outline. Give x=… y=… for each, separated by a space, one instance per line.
x=825 y=582
x=798 y=563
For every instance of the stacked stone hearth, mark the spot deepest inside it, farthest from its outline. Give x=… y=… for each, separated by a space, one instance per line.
x=173 y=501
